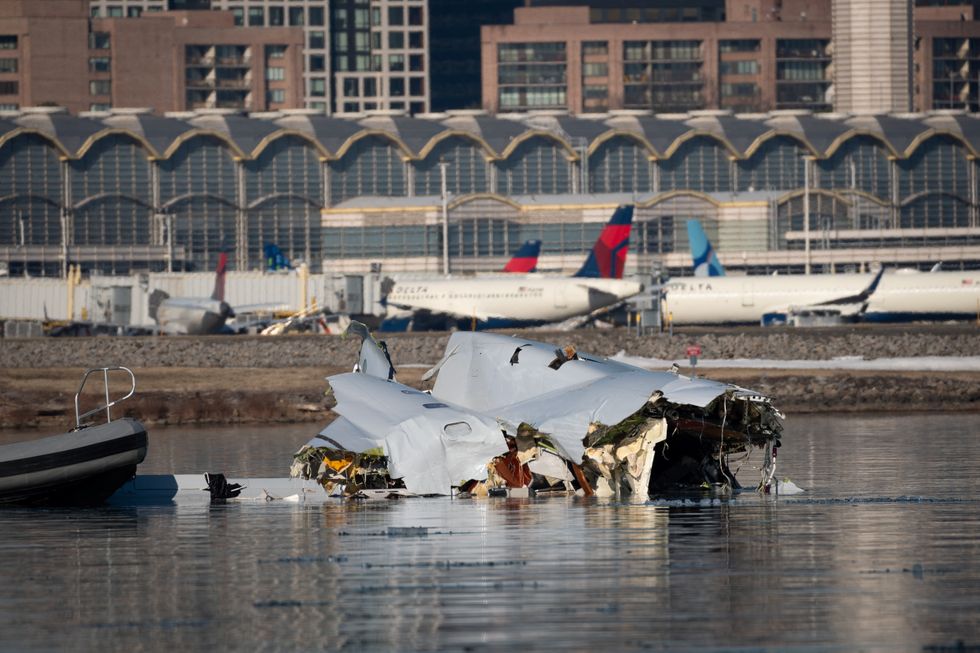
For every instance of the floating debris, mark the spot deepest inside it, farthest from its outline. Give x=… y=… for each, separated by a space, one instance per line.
x=515 y=417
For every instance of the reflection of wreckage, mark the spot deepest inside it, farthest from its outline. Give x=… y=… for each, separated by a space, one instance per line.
x=506 y=414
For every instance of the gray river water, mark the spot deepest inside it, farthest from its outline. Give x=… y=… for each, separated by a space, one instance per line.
x=881 y=553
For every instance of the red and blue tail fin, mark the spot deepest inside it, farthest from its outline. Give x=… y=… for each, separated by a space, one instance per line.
x=608 y=256
x=219 y=278
x=526 y=258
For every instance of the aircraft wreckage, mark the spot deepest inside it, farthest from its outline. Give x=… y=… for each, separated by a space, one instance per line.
x=508 y=415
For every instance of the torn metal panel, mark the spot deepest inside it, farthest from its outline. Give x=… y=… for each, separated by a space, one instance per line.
x=510 y=413
x=430 y=445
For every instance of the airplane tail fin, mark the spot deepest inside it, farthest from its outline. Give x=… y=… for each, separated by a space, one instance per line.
x=275 y=259
x=608 y=256
x=706 y=263
x=219 y=278
x=156 y=298
x=526 y=258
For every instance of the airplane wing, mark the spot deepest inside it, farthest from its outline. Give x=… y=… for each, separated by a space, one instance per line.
x=848 y=306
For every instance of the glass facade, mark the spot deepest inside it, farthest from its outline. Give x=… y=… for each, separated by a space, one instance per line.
x=200 y=196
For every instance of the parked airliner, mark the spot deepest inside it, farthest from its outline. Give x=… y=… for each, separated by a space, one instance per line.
x=895 y=296
x=193 y=315
x=524 y=300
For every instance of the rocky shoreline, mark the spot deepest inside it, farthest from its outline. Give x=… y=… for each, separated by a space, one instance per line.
x=222 y=380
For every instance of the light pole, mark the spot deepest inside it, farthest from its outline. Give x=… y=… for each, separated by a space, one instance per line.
x=445 y=216
x=806 y=213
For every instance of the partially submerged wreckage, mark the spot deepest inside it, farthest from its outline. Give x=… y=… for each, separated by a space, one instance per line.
x=510 y=415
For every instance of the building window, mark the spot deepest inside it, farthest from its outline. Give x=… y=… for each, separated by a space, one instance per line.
x=98 y=40
x=275 y=74
x=738 y=45
x=597 y=48
x=276 y=96
x=318 y=88
x=415 y=15
x=94 y=12
x=316 y=16
x=317 y=63
x=362 y=19
x=415 y=40
x=748 y=67
x=9 y=106
x=100 y=87
x=99 y=106
x=370 y=87
x=416 y=63
x=98 y=64
x=8 y=65
x=317 y=41
x=350 y=87
x=239 y=15
x=416 y=107
x=114 y=12
x=277 y=17
x=340 y=40
x=134 y=12
x=396 y=87
x=9 y=88
x=351 y=107
x=8 y=42
x=275 y=51
x=396 y=62
x=396 y=15
x=595 y=70
x=396 y=40
x=416 y=86
x=256 y=17
x=296 y=16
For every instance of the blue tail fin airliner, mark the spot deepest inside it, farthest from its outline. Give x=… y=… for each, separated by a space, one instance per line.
x=706 y=263
x=608 y=256
x=275 y=259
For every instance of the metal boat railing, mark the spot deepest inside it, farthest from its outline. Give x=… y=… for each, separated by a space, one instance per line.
x=109 y=403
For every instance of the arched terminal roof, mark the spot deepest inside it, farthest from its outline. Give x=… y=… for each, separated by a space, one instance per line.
x=499 y=136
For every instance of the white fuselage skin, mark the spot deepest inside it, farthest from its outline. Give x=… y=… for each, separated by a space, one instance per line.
x=192 y=316
x=745 y=299
x=522 y=298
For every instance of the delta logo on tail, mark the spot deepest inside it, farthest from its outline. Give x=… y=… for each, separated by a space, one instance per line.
x=525 y=260
x=706 y=263
x=607 y=260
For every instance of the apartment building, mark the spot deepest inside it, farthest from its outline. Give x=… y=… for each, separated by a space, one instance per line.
x=846 y=55
x=358 y=55
x=168 y=61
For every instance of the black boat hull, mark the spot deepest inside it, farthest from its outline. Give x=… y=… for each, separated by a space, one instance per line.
x=78 y=468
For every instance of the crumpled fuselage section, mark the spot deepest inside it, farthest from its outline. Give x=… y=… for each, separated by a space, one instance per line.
x=512 y=415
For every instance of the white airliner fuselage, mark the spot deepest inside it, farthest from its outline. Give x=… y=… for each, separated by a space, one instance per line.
x=523 y=299
x=898 y=297
x=192 y=315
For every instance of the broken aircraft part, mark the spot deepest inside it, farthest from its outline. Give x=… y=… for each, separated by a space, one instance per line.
x=514 y=413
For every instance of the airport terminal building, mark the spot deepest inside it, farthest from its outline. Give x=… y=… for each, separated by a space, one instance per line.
x=126 y=191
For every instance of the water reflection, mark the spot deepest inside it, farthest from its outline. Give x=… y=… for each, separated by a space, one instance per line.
x=880 y=554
